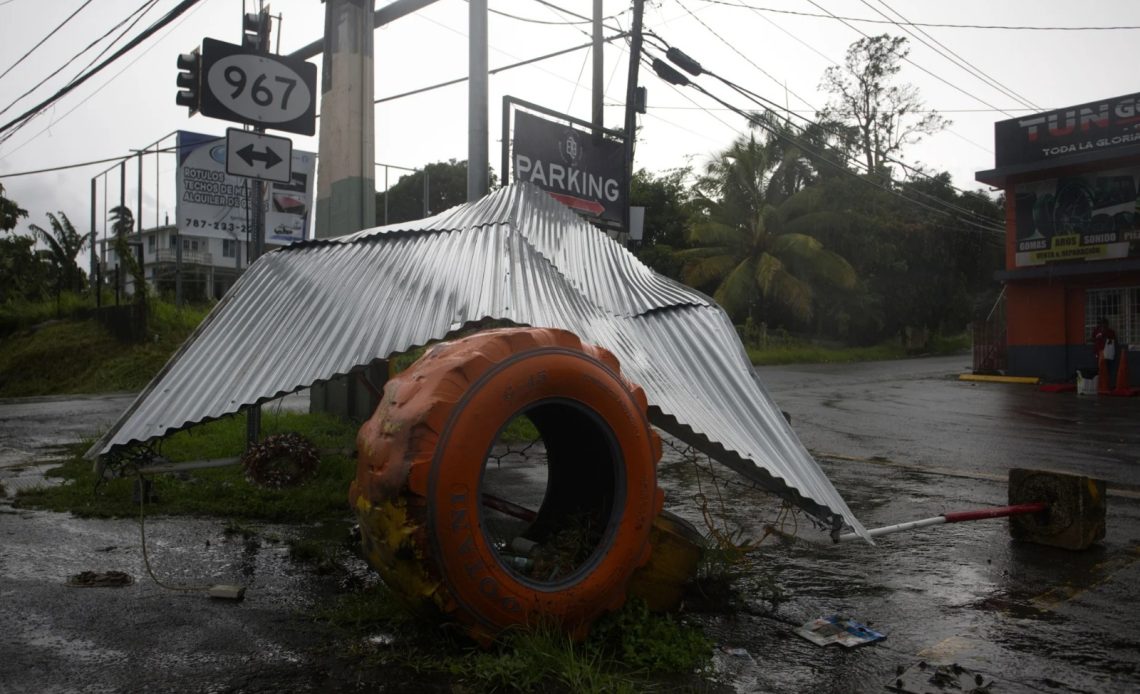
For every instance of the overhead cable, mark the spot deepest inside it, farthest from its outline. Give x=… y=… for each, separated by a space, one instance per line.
x=75 y=57
x=950 y=55
x=44 y=39
x=743 y=5
x=671 y=76
x=146 y=33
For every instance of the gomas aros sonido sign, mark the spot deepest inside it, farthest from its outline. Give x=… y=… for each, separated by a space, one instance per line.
x=582 y=173
x=1095 y=126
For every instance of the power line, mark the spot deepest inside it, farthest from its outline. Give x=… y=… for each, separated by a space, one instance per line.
x=812 y=48
x=57 y=119
x=737 y=51
x=531 y=20
x=72 y=59
x=943 y=205
x=953 y=57
x=911 y=62
x=80 y=165
x=44 y=39
x=1005 y=27
x=504 y=68
x=146 y=33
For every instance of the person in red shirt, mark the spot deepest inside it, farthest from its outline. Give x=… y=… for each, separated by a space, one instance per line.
x=1104 y=343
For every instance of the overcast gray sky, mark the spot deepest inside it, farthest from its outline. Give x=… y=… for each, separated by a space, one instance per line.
x=753 y=42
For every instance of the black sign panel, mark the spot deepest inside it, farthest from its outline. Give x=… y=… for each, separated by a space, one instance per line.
x=1095 y=126
x=567 y=163
x=270 y=91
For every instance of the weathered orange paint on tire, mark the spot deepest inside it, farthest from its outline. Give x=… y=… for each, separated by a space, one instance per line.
x=425 y=447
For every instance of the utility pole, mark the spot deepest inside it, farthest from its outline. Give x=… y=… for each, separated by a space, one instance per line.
x=630 y=102
x=346 y=176
x=94 y=279
x=597 y=111
x=477 y=133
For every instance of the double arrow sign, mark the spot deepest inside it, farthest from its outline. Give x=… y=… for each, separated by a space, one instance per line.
x=255 y=155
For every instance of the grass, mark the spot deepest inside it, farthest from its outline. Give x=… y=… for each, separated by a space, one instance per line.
x=31 y=359
x=807 y=353
x=628 y=651
x=223 y=491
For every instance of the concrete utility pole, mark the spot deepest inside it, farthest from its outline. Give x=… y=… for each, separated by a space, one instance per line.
x=477 y=134
x=346 y=172
x=346 y=176
x=597 y=112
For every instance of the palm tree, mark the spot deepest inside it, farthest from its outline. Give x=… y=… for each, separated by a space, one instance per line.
x=123 y=223
x=743 y=253
x=64 y=243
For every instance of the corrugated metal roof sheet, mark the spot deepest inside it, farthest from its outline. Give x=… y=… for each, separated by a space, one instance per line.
x=312 y=311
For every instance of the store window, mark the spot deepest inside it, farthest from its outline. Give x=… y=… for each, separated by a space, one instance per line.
x=1122 y=309
x=229 y=249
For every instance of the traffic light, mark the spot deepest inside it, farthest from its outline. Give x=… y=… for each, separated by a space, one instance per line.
x=189 y=80
x=255 y=31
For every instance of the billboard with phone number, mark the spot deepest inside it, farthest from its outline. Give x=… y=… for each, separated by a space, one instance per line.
x=212 y=203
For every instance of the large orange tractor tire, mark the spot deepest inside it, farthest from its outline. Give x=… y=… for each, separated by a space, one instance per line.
x=422 y=466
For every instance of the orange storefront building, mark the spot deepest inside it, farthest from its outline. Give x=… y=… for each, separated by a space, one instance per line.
x=1072 y=246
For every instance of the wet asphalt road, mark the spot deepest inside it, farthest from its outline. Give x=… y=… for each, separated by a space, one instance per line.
x=900 y=440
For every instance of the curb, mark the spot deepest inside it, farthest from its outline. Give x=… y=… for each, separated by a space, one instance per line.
x=1032 y=380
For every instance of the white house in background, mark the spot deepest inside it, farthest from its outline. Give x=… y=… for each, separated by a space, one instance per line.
x=207 y=247
x=209 y=264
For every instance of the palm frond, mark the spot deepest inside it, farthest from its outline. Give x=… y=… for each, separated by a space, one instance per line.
x=707 y=270
x=738 y=290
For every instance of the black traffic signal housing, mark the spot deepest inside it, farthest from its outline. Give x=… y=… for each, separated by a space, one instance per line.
x=189 y=80
x=255 y=31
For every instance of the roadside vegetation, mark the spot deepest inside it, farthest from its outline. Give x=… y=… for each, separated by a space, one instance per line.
x=42 y=354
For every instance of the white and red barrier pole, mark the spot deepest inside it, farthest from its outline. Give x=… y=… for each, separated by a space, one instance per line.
x=955 y=517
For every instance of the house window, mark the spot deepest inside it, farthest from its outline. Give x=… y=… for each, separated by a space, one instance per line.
x=229 y=248
x=150 y=243
x=190 y=245
x=1121 y=307
x=173 y=242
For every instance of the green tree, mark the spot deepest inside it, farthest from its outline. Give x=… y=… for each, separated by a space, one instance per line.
x=24 y=275
x=916 y=267
x=64 y=244
x=876 y=116
x=10 y=212
x=668 y=206
x=744 y=255
x=447 y=187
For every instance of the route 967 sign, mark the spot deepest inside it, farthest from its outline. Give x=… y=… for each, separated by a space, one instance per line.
x=270 y=91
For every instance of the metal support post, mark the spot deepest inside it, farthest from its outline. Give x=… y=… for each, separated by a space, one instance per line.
x=635 y=42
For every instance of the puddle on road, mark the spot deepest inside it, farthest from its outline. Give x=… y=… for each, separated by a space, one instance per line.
x=966 y=594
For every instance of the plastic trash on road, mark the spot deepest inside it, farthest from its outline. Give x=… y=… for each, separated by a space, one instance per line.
x=838 y=629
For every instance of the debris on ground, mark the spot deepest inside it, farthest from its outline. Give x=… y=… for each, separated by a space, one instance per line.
x=838 y=629
x=926 y=677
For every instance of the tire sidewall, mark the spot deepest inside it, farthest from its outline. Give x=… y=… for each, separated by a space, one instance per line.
x=475 y=578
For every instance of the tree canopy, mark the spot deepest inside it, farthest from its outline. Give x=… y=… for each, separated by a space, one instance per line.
x=64 y=243
x=875 y=116
x=447 y=187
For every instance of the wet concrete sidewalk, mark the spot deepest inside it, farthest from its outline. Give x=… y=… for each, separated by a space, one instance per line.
x=900 y=440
